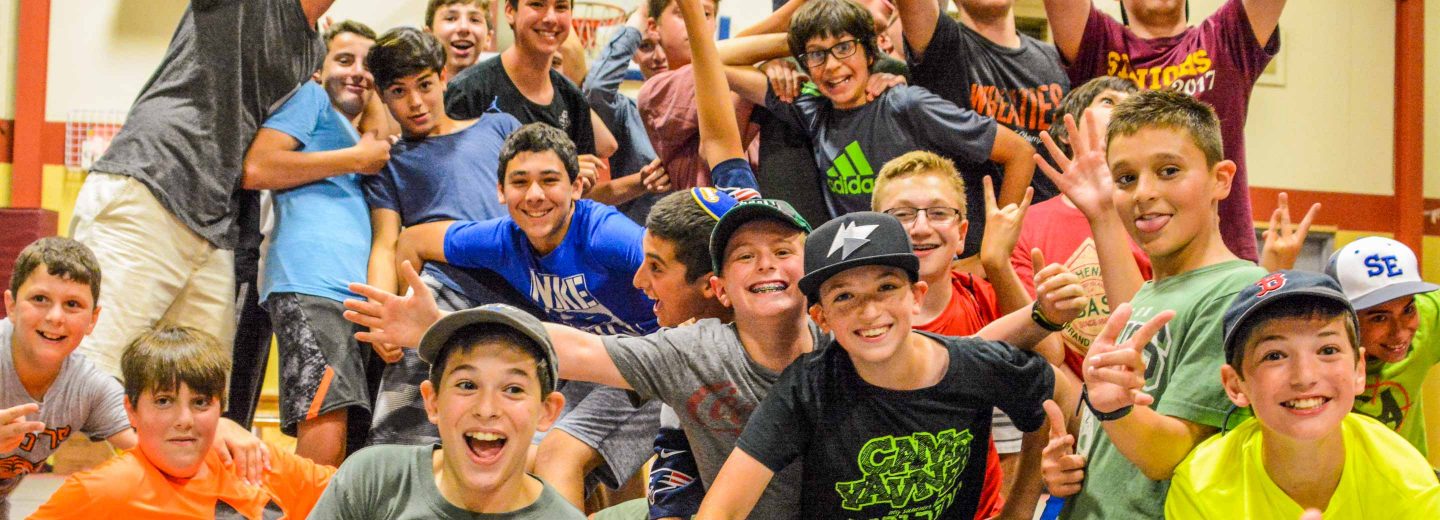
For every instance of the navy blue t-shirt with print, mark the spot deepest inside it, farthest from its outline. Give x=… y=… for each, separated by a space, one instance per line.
x=871 y=452
x=584 y=283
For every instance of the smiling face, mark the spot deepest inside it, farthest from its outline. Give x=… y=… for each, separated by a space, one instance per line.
x=462 y=29
x=663 y=278
x=1301 y=376
x=650 y=56
x=936 y=243
x=488 y=405
x=869 y=310
x=764 y=261
x=841 y=80
x=540 y=197
x=417 y=102
x=343 y=74
x=50 y=315
x=1386 y=329
x=670 y=30
x=540 y=25
x=1164 y=191
x=175 y=429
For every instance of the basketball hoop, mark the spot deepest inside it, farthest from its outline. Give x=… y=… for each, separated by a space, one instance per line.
x=591 y=19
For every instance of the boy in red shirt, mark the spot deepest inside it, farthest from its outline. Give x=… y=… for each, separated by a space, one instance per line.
x=174 y=393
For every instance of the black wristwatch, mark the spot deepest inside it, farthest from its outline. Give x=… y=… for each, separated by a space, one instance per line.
x=1040 y=319
x=1104 y=416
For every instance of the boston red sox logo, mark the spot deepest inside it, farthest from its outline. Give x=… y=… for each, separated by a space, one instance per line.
x=1270 y=284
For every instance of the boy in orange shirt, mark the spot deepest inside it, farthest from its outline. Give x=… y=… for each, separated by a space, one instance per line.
x=174 y=393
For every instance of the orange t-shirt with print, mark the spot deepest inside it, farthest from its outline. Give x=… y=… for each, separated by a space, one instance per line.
x=130 y=486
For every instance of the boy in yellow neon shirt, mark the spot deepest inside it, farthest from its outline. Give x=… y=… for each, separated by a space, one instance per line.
x=1292 y=357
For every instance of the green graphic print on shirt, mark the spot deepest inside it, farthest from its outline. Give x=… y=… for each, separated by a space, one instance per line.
x=914 y=468
x=850 y=173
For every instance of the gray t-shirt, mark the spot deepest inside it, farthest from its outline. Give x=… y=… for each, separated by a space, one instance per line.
x=703 y=372
x=398 y=483
x=851 y=145
x=230 y=63
x=82 y=398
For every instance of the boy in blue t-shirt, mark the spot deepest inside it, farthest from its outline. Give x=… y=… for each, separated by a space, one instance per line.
x=309 y=153
x=440 y=169
x=575 y=258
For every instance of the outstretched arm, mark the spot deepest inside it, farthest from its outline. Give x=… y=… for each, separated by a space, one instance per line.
x=719 y=132
x=777 y=22
x=736 y=489
x=1067 y=24
x=749 y=50
x=274 y=161
x=582 y=357
x=917 y=19
x=1264 y=17
x=421 y=243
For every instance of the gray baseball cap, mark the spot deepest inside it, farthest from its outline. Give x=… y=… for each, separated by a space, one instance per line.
x=436 y=337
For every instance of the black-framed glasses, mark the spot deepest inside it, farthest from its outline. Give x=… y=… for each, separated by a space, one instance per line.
x=940 y=216
x=840 y=51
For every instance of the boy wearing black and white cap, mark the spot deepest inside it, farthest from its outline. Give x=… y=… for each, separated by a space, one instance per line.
x=1399 y=315
x=491 y=387
x=886 y=421
x=1292 y=359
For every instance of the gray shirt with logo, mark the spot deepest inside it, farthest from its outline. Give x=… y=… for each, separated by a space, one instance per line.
x=703 y=372
x=230 y=63
x=850 y=146
x=83 y=398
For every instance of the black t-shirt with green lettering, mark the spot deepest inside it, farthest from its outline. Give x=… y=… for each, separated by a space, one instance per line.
x=873 y=453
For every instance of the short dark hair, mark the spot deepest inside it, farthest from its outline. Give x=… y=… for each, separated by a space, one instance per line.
x=1172 y=110
x=677 y=218
x=402 y=52
x=62 y=257
x=656 y=7
x=349 y=26
x=1298 y=306
x=167 y=355
x=821 y=18
x=435 y=5
x=540 y=137
x=467 y=338
x=1077 y=100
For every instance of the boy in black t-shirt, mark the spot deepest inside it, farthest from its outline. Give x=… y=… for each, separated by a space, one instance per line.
x=887 y=421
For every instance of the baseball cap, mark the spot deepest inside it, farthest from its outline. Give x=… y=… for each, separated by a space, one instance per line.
x=433 y=343
x=1375 y=270
x=712 y=201
x=1278 y=287
x=854 y=240
x=744 y=212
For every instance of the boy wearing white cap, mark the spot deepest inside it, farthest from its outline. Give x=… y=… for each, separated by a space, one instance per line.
x=1398 y=314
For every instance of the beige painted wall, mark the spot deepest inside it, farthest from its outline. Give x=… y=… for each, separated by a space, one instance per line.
x=1432 y=100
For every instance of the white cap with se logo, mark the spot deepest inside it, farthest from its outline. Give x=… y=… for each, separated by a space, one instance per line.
x=1375 y=270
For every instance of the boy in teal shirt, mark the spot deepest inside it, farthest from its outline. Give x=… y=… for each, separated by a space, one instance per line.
x=1159 y=175
x=1398 y=313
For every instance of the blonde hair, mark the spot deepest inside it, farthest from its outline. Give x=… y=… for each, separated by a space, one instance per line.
x=919 y=162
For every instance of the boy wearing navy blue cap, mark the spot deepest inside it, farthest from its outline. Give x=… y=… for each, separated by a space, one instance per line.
x=887 y=421
x=1292 y=356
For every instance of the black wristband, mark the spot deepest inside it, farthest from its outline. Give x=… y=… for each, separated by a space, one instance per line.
x=1042 y=321
x=1104 y=416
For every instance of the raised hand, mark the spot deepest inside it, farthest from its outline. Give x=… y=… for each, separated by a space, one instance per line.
x=372 y=152
x=1284 y=240
x=242 y=451
x=393 y=319
x=785 y=78
x=1002 y=225
x=1115 y=372
x=1057 y=289
x=591 y=170
x=1062 y=469
x=1085 y=178
x=880 y=82
x=14 y=427
x=654 y=178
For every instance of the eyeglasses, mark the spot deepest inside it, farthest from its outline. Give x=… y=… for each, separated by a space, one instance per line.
x=938 y=216
x=840 y=51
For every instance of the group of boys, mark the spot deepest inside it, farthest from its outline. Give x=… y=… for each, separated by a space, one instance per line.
x=901 y=359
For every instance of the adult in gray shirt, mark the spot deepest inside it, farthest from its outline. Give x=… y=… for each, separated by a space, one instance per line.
x=159 y=207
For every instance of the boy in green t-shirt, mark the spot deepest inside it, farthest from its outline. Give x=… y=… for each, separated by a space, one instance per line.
x=1159 y=175
x=1398 y=313
x=1293 y=358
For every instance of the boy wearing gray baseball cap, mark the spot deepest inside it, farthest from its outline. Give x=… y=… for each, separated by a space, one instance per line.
x=491 y=387
x=1399 y=315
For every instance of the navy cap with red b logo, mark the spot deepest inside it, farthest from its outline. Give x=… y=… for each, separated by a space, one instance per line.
x=1273 y=289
